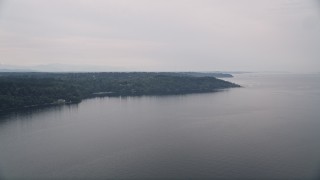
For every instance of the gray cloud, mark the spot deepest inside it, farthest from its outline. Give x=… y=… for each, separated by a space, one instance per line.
x=248 y=35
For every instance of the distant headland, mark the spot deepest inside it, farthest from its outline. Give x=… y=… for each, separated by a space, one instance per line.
x=21 y=90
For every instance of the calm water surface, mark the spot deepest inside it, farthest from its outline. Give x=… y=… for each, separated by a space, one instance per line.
x=268 y=129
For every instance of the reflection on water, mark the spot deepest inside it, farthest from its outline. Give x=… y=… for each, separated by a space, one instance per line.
x=27 y=114
x=269 y=129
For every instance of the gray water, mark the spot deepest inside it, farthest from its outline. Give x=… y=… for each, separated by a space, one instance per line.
x=270 y=128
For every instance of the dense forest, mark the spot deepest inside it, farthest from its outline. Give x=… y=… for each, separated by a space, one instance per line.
x=19 y=90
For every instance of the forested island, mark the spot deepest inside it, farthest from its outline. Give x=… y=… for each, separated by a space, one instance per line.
x=19 y=90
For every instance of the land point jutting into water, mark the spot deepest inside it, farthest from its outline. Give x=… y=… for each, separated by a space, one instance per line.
x=20 y=90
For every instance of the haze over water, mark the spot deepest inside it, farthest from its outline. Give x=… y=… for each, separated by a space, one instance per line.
x=267 y=129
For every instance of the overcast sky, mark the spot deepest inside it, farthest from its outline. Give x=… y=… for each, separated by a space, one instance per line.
x=163 y=35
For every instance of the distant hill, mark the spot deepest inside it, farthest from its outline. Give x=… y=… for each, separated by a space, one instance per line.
x=59 y=68
x=95 y=68
x=17 y=70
